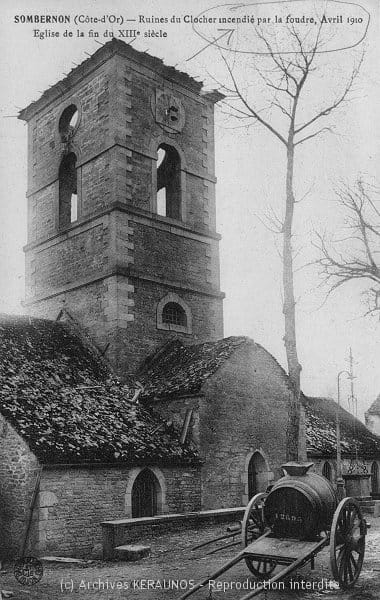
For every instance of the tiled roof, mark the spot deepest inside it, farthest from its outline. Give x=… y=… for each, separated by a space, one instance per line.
x=180 y=370
x=374 y=409
x=62 y=399
x=67 y=406
x=321 y=431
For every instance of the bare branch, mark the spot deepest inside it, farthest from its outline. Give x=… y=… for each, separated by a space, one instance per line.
x=312 y=135
x=253 y=111
x=359 y=258
x=326 y=111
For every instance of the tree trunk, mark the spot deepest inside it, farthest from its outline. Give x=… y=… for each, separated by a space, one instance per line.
x=289 y=310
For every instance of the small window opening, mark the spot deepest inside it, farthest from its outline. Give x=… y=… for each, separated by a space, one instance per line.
x=174 y=314
x=68 y=194
x=169 y=178
x=68 y=122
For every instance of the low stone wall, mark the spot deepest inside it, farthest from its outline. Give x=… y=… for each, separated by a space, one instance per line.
x=124 y=531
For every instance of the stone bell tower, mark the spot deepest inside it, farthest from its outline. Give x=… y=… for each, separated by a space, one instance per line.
x=121 y=205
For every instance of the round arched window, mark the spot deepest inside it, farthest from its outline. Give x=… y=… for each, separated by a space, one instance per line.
x=327 y=471
x=68 y=122
x=174 y=314
x=168 y=182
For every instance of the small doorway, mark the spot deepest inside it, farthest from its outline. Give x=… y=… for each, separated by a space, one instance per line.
x=258 y=478
x=144 y=494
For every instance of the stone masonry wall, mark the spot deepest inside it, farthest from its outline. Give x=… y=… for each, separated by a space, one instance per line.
x=141 y=337
x=346 y=464
x=100 y=310
x=18 y=472
x=54 y=266
x=244 y=410
x=120 y=258
x=74 y=501
x=163 y=254
x=94 y=131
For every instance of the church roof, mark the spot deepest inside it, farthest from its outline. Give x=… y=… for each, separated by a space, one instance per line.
x=63 y=401
x=374 y=409
x=321 y=431
x=181 y=370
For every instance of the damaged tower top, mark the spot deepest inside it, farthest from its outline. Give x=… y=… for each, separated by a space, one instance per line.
x=121 y=205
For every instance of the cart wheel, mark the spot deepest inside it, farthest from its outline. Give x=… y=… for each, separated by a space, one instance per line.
x=347 y=543
x=253 y=527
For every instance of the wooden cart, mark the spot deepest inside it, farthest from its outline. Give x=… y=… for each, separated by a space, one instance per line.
x=271 y=553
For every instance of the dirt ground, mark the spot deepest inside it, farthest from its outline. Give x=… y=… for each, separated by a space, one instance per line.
x=173 y=566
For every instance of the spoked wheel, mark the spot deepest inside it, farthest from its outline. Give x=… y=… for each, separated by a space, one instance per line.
x=253 y=527
x=347 y=543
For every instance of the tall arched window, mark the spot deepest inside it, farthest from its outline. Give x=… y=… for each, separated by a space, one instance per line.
x=327 y=471
x=375 y=478
x=145 y=491
x=168 y=182
x=68 y=193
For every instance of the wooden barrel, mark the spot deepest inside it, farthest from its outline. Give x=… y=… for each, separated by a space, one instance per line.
x=301 y=504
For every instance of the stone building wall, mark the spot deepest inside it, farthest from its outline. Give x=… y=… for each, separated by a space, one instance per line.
x=242 y=410
x=347 y=463
x=18 y=474
x=74 y=501
x=245 y=410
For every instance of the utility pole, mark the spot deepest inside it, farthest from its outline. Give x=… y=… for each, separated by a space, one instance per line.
x=352 y=399
x=339 y=478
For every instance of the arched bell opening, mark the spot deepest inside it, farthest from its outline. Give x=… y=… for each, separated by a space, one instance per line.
x=68 y=190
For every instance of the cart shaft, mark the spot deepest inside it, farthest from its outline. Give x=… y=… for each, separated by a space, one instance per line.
x=214 y=575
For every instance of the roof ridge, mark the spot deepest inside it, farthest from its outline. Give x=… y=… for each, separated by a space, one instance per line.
x=76 y=329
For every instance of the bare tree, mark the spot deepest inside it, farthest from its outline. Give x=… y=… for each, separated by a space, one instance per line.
x=289 y=115
x=356 y=256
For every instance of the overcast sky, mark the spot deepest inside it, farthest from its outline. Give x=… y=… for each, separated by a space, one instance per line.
x=250 y=171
